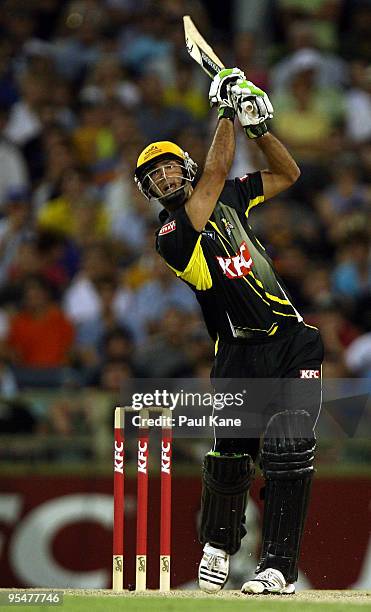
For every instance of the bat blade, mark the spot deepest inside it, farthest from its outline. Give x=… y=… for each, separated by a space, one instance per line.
x=199 y=50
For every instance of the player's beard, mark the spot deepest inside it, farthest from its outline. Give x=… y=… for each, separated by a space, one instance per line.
x=177 y=199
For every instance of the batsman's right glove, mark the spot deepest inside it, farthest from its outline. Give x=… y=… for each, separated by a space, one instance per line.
x=219 y=93
x=253 y=107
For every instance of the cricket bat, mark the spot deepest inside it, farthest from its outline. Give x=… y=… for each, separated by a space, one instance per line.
x=200 y=51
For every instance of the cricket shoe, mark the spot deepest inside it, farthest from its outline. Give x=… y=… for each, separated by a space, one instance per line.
x=269 y=581
x=213 y=570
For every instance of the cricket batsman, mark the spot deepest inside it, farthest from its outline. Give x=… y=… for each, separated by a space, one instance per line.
x=206 y=239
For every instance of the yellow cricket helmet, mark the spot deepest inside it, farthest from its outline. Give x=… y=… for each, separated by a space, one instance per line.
x=148 y=163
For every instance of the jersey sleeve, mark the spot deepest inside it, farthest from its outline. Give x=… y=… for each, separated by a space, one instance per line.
x=248 y=191
x=177 y=240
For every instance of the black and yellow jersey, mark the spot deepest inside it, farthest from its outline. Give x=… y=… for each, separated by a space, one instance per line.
x=239 y=292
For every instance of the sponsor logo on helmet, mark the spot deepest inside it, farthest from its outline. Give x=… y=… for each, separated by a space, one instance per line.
x=167 y=228
x=151 y=151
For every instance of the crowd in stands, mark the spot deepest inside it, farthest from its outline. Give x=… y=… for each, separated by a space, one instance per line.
x=84 y=86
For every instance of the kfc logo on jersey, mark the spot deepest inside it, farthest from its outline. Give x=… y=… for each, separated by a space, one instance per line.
x=310 y=374
x=237 y=266
x=167 y=228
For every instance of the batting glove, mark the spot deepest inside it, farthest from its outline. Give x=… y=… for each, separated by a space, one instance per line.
x=253 y=107
x=219 y=93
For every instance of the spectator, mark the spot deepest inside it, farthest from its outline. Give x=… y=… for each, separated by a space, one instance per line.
x=106 y=82
x=358 y=104
x=114 y=357
x=160 y=293
x=82 y=301
x=336 y=330
x=92 y=139
x=8 y=86
x=18 y=22
x=114 y=374
x=14 y=228
x=128 y=224
x=358 y=356
x=139 y=270
x=60 y=156
x=352 y=276
x=24 y=122
x=317 y=288
x=344 y=196
x=332 y=70
x=76 y=212
x=365 y=160
x=62 y=102
x=8 y=383
x=77 y=47
x=354 y=30
x=100 y=334
x=322 y=13
x=150 y=44
x=183 y=93
x=292 y=266
x=40 y=336
x=118 y=344
x=26 y=262
x=37 y=56
x=164 y=355
x=157 y=122
x=306 y=113
x=125 y=126
x=55 y=254
x=118 y=191
x=247 y=58
x=42 y=253
x=13 y=171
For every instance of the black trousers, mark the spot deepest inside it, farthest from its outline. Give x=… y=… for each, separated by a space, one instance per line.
x=292 y=363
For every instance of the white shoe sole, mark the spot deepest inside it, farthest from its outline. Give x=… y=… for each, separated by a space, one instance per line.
x=255 y=587
x=207 y=587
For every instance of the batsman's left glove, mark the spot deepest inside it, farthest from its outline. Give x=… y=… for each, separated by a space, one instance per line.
x=219 y=93
x=253 y=107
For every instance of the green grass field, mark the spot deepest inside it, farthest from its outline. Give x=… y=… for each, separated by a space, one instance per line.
x=188 y=601
x=80 y=604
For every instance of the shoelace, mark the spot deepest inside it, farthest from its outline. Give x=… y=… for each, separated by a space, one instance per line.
x=215 y=562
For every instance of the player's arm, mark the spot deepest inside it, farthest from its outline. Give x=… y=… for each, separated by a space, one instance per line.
x=253 y=109
x=219 y=159
x=282 y=169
